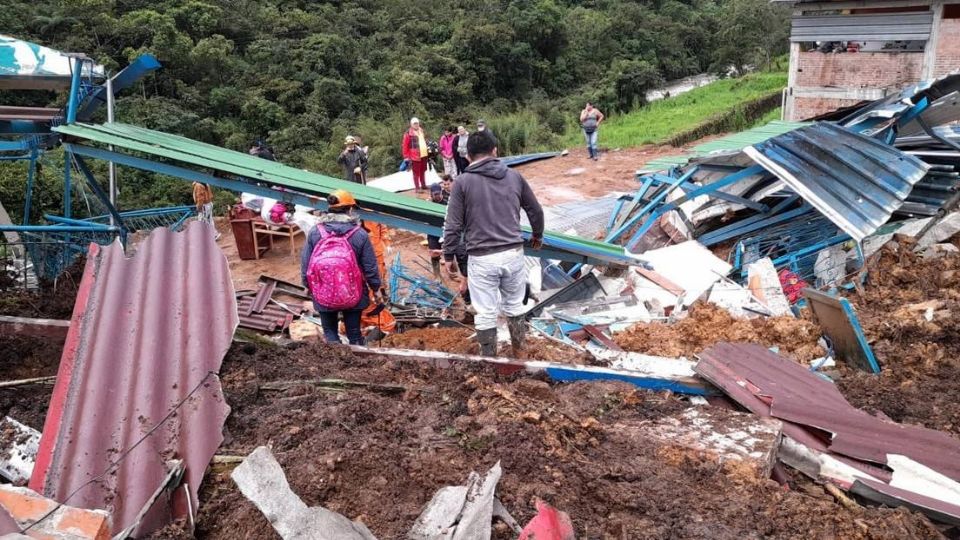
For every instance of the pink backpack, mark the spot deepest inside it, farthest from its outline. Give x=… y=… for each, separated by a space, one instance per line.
x=334 y=276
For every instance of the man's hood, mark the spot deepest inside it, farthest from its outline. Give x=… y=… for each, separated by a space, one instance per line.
x=338 y=223
x=491 y=168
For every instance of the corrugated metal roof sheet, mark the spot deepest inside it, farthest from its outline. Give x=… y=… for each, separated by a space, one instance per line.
x=862 y=27
x=732 y=142
x=195 y=153
x=854 y=180
x=751 y=375
x=148 y=332
x=513 y=161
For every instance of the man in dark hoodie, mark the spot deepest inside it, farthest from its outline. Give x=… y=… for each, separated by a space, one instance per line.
x=485 y=208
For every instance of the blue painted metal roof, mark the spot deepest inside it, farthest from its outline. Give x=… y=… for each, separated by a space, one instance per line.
x=854 y=180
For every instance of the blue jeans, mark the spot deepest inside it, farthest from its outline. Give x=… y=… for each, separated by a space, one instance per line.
x=592 y=143
x=351 y=320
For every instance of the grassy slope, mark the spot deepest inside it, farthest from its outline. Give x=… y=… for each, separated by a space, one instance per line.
x=662 y=119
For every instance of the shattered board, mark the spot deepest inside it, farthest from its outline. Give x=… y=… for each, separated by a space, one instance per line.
x=839 y=322
x=689 y=265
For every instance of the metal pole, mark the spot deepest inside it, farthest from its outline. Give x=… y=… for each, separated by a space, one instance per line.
x=74 y=99
x=112 y=166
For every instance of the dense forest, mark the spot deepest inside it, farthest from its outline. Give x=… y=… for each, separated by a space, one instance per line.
x=302 y=74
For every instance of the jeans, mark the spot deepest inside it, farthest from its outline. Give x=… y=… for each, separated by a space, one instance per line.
x=592 y=143
x=496 y=281
x=205 y=213
x=351 y=320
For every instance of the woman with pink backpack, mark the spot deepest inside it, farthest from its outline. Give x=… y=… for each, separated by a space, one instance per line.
x=339 y=267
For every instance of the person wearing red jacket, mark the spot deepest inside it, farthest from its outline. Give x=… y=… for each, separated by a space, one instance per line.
x=415 y=151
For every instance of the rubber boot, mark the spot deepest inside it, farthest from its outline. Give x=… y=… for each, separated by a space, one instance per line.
x=436 y=267
x=518 y=330
x=488 y=341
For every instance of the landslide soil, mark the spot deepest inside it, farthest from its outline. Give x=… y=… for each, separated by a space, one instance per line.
x=379 y=457
x=458 y=340
x=706 y=324
x=26 y=357
x=920 y=358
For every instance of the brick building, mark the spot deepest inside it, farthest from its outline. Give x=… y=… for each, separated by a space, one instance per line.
x=845 y=52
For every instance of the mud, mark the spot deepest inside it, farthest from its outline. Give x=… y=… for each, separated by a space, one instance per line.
x=458 y=341
x=379 y=458
x=23 y=357
x=920 y=359
x=54 y=300
x=707 y=324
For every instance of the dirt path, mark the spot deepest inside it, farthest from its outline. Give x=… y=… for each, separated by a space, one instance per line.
x=575 y=176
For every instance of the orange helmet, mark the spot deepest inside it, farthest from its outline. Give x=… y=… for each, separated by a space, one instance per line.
x=343 y=198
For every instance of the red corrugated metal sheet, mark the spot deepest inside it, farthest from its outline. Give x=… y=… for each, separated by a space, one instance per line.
x=146 y=332
x=759 y=379
x=795 y=394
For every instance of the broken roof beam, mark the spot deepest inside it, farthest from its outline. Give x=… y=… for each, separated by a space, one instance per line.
x=675 y=375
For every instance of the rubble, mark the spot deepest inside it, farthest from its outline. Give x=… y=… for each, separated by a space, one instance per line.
x=706 y=324
x=261 y=479
x=46 y=518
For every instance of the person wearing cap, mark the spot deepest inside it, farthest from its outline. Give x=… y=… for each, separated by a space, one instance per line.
x=353 y=160
x=460 y=156
x=341 y=219
x=416 y=152
x=484 y=214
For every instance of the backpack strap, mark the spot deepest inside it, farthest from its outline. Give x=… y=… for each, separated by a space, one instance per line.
x=322 y=229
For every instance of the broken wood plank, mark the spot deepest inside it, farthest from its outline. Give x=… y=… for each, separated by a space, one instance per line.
x=24 y=326
x=676 y=375
x=338 y=384
x=604 y=340
x=22 y=382
x=660 y=281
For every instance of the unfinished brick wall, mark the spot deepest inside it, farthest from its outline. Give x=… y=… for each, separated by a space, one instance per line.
x=808 y=107
x=859 y=70
x=948 y=48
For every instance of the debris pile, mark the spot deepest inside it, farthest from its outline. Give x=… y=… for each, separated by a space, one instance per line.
x=706 y=324
x=598 y=428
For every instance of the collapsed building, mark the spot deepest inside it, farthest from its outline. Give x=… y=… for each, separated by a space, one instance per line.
x=744 y=255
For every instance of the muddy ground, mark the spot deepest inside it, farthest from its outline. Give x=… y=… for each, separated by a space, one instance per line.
x=920 y=358
x=706 y=324
x=458 y=340
x=379 y=457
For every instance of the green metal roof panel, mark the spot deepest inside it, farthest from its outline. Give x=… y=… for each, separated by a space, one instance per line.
x=199 y=154
x=732 y=142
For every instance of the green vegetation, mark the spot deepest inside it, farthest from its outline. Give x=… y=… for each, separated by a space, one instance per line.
x=660 y=120
x=302 y=74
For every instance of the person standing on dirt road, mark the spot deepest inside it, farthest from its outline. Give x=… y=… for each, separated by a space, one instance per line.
x=590 y=120
x=340 y=221
x=485 y=209
x=416 y=151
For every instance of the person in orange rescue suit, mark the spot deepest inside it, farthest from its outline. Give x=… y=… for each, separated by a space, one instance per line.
x=376 y=317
